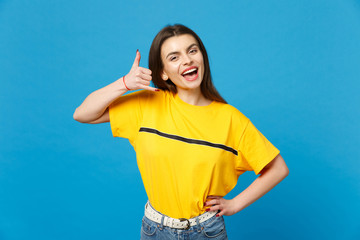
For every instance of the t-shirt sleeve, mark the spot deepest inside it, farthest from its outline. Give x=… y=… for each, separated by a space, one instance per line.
x=255 y=151
x=125 y=115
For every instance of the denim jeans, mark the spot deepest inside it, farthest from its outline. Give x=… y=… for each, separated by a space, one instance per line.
x=213 y=228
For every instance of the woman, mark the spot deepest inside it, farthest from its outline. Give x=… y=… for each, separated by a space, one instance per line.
x=191 y=145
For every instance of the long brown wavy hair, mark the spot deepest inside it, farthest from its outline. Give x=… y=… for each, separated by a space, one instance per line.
x=156 y=65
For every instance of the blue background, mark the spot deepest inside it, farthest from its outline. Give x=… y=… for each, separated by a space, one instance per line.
x=292 y=67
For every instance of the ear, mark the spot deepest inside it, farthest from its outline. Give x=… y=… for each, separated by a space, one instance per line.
x=164 y=76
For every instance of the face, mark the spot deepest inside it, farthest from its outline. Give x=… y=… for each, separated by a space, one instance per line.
x=183 y=62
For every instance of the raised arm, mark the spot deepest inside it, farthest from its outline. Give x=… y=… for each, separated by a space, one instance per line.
x=94 y=108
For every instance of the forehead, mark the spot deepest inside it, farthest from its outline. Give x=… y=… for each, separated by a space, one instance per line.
x=177 y=43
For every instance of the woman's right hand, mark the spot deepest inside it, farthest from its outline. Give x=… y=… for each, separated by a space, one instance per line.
x=94 y=108
x=138 y=77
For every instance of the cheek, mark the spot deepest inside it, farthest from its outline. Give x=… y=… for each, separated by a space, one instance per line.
x=201 y=59
x=172 y=68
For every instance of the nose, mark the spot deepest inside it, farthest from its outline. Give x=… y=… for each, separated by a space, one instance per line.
x=187 y=59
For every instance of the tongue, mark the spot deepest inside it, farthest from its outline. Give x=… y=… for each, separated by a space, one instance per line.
x=191 y=76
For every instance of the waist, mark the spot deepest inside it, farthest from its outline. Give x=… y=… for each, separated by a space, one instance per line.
x=178 y=223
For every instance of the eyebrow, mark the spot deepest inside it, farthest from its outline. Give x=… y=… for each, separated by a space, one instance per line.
x=188 y=48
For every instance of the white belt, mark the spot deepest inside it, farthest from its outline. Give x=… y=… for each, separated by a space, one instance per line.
x=181 y=223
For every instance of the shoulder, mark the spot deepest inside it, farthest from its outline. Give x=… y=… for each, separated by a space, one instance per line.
x=233 y=112
x=152 y=95
x=232 y=119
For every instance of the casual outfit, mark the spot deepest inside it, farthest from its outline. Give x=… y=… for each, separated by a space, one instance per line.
x=186 y=153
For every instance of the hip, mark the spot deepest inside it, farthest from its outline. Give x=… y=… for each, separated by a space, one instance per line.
x=204 y=226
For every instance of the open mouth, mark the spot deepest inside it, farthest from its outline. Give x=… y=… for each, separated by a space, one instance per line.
x=190 y=74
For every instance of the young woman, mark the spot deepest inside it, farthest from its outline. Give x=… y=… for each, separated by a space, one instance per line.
x=191 y=146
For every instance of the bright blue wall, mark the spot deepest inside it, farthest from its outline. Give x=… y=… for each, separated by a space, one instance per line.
x=292 y=67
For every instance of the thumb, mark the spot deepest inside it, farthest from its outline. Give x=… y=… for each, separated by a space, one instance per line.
x=137 y=59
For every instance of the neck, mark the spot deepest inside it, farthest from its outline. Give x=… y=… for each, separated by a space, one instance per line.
x=193 y=97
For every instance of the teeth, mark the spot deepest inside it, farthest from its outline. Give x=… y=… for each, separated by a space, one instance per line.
x=189 y=71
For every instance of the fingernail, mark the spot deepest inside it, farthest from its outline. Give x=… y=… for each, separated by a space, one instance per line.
x=217 y=215
x=157 y=90
x=137 y=50
x=208 y=209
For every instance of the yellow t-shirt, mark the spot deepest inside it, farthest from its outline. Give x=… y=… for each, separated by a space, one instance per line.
x=185 y=152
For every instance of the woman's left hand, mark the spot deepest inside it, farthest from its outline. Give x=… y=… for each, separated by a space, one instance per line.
x=226 y=207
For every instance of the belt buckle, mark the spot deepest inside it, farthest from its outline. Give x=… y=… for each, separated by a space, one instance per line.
x=188 y=223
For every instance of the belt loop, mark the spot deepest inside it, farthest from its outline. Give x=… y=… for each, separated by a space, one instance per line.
x=162 y=221
x=198 y=224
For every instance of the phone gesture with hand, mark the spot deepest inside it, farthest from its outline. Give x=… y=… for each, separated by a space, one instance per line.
x=138 y=77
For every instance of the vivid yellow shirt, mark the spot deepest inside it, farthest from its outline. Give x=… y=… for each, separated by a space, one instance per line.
x=185 y=152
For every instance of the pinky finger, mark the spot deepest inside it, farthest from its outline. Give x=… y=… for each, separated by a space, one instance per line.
x=150 y=88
